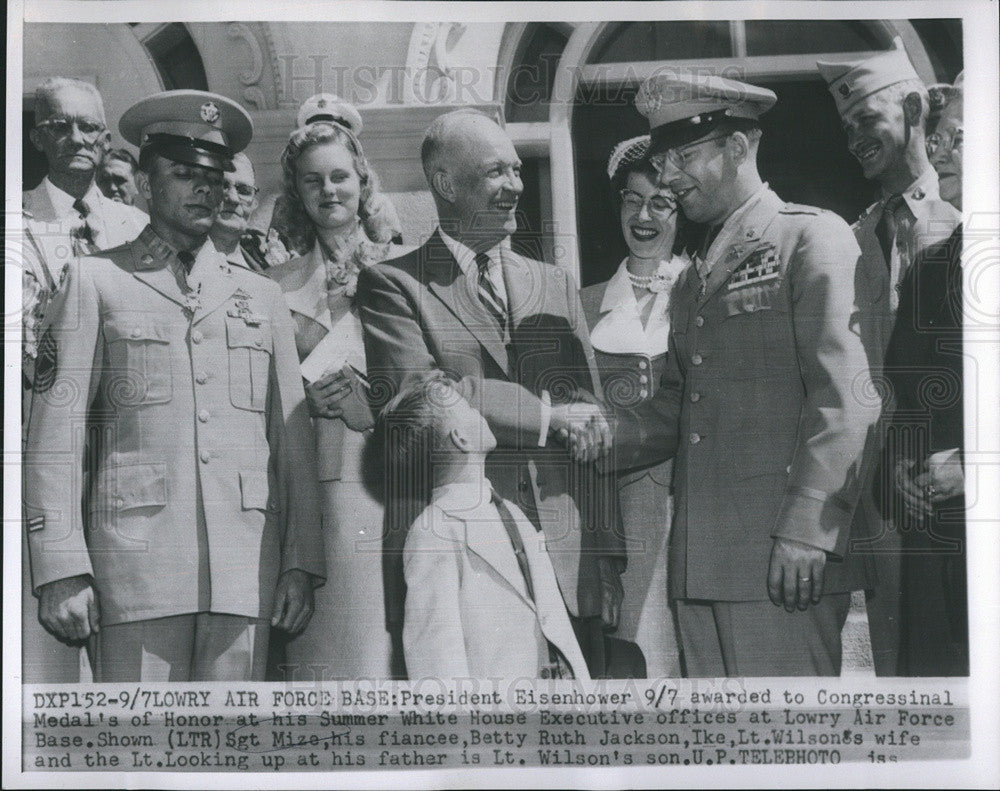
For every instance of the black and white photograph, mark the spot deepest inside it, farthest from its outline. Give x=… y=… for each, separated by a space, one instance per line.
x=600 y=395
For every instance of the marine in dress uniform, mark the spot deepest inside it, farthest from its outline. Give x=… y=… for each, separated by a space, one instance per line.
x=882 y=103
x=177 y=373
x=760 y=398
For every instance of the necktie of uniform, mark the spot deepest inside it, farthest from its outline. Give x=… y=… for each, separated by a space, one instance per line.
x=888 y=225
x=83 y=234
x=488 y=294
x=187 y=259
x=701 y=263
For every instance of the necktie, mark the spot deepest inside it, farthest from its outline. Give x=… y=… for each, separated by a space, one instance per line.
x=701 y=264
x=187 y=259
x=557 y=667
x=888 y=224
x=83 y=234
x=488 y=295
x=515 y=538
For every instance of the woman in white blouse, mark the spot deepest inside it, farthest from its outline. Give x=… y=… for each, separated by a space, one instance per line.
x=629 y=328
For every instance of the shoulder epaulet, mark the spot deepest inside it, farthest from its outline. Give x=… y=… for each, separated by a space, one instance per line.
x=801 y=208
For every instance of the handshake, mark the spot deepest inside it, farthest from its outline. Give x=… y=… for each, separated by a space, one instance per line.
x=584 y=429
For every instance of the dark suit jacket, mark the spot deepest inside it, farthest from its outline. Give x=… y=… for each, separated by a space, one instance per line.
x=418 y=315
x=923 y=362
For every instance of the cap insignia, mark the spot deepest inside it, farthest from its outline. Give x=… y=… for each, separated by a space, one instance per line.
x=209 y=113
x=845 y=89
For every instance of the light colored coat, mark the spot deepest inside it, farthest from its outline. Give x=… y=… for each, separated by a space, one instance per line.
x=187 y=426
x=468 y=612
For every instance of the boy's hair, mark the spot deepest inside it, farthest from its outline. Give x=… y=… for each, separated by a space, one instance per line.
x=408 y=428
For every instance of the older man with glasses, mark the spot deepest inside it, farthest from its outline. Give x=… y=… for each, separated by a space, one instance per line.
x=762 y=399
x=67 y=215
x=242 y=245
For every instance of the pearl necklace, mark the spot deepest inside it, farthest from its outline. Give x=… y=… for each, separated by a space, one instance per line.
x=656 y=282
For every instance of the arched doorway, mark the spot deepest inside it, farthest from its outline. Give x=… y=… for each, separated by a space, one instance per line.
x=585 y=106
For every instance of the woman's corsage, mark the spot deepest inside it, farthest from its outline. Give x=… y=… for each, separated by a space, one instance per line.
x=344 y=264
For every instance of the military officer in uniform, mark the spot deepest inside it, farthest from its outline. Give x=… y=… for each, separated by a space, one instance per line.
x=883 y=105
x=177 y=372
x=763 y=397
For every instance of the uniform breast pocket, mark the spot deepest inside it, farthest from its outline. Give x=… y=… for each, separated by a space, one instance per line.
x=138 y=371
x=250 y=351
x=757 y=327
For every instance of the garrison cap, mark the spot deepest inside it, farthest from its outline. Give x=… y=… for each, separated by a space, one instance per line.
x=329 y=107
x=193 y=127
x=683 y=106
x=851 y=81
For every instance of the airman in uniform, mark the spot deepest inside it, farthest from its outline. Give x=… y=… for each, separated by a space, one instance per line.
x=169 y=403
x=763 y=398
x=883 y=105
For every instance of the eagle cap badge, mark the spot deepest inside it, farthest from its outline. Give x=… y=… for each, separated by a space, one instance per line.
x=209 y=113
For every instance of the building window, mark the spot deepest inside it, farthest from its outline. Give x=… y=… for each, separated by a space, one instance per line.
x=631 y=41
x=798 y=37
x=529 y=87
x=176 y=58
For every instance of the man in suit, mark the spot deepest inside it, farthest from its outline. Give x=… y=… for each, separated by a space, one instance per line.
x=510 y=330
x=883 y=105
x=763 y=397
x=63 y=217
x=170 y=492
x=67 y=215
x=116 y=176
x=231 y=234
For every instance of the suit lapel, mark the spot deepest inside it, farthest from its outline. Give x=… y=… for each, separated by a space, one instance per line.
x=742 y=242
x=525 y=284
x=493 y=546
x=445 y=280
x=309 y=299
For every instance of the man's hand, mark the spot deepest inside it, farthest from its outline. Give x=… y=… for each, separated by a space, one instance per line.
x=612 y=592
x=915 y=496
x=324 y=395
x=944 y=477
x=584 y=429
x=795 y=577
x=68 y=608
x=293 y=601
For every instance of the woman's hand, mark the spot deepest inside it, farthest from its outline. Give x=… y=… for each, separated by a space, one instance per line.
x=325 y=394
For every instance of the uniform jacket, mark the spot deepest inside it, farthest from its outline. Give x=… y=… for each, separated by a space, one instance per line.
x=182 y=413
x=766 y=400
x=418 y=315
x=468 y=612
x=933 y=221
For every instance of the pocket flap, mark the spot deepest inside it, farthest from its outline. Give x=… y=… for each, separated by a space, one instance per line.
x=135 y=328
x=239 y=334
x=135 y=486
x=254 y=490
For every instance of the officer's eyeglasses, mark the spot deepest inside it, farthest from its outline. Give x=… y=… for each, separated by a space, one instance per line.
x=945 y=143
x=658 y=204
x=681 y=155
x=59 y=128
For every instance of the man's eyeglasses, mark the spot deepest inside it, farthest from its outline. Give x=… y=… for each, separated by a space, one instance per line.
x=245 y=191
x=945 y=143
x=63 y=127
x=679 y=156
x=658 y=204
